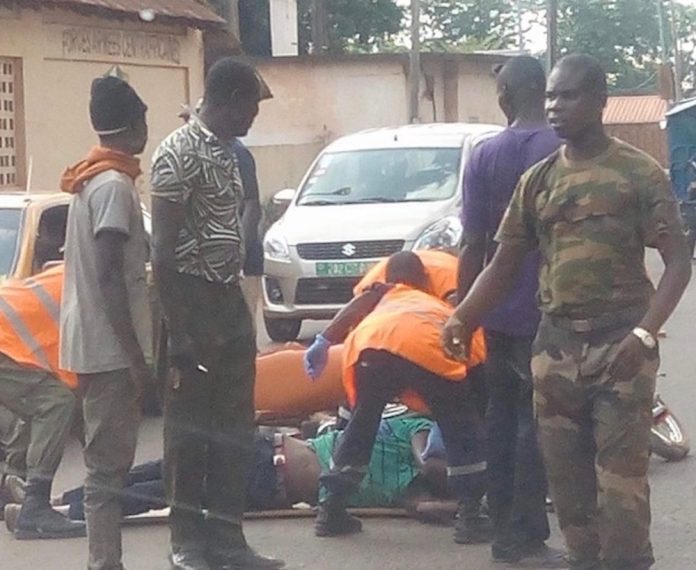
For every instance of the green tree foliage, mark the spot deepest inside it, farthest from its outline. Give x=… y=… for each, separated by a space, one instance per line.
x=354 y=25
x=623 y=34
x=475 y=24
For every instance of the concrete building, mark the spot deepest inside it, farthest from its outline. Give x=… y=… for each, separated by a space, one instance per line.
x=319 y=98
x=51 y=50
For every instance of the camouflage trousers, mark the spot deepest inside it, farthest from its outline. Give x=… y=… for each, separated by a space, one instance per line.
x=594 y=433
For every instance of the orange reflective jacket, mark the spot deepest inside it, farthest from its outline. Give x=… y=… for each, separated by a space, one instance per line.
x=30 y=322
x=408 y=323
x=440 y=267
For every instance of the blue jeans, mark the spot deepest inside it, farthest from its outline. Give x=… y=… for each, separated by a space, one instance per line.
x=517 y=485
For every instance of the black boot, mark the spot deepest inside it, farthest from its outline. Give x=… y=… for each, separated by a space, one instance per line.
x=471 y=527
x=38 y=520
x=248 y=559
x=333 y=519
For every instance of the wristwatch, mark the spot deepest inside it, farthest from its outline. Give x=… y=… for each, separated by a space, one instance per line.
x=645 y=337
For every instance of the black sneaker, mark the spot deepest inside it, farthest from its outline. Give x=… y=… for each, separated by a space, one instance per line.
x=471 y=526
x=472 y=530
x=332 y=521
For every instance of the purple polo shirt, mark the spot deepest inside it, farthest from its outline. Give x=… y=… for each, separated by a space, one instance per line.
x=491 y=176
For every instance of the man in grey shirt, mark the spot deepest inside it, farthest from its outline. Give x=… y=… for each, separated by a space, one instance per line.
x=104 y=314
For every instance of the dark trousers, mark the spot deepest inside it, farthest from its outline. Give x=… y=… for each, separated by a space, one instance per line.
x=143 y=492
x=516 y=479
x=380 y=377
x=209 y=423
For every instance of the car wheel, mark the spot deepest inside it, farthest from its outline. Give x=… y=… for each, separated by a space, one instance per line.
x=282 y=330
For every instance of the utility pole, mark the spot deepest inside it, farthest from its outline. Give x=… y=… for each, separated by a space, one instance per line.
x=664 y=50
x=520 y=27
x=414 y=64
x=677 y=54
x=551 y=33
x=320 y=26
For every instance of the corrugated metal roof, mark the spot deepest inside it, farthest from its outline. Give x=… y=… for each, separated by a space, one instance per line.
x=639 y=109
x=192 y=11
x=685 y=105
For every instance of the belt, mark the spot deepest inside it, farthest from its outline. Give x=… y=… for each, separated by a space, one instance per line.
x=280 y=463
x=614 y=320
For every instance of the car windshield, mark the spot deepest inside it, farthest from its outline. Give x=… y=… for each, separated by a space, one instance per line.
x=9 y=232
x=381 y=176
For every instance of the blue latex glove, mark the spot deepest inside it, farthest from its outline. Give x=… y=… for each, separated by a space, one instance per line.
x=316 y=357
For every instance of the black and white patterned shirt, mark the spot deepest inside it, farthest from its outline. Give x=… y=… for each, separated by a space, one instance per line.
x=193 y=168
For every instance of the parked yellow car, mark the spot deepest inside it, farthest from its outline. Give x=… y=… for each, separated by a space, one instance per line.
x=32 y=231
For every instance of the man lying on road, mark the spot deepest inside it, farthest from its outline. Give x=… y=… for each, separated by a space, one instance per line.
x=286 y=471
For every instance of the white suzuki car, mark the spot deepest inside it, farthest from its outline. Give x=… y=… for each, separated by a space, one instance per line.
x=365 y=197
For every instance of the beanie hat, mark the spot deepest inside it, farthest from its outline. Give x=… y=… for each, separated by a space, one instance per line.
x=114 y=105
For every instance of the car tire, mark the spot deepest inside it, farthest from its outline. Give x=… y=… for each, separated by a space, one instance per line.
x=282 y=330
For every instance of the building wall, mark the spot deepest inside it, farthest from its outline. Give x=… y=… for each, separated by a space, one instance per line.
x=318 y=99
x=61 y=52
x=647 y=137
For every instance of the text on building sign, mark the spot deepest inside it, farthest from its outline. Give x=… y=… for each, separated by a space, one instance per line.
x=121 y=43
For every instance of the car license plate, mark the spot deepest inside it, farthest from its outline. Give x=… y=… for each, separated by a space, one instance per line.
x=343 y=269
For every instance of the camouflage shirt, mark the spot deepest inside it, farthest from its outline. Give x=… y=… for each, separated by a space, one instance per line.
x=591 y=221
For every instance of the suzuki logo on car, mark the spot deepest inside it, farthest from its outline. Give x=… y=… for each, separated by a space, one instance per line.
x=349 y=250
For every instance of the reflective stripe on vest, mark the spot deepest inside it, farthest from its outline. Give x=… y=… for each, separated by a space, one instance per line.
x=49 y=304
x=24 y=333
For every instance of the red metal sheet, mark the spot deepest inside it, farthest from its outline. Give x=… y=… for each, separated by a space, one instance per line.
x=640 y=109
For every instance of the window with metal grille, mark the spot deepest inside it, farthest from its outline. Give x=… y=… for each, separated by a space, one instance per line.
x=8 y=120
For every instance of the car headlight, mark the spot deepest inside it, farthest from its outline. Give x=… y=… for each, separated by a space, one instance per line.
x=443 y=234
x=275 y=246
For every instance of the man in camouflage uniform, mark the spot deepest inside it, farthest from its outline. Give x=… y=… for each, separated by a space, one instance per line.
x=591 y=209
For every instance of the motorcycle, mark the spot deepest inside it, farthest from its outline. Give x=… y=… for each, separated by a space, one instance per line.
x=667 y=437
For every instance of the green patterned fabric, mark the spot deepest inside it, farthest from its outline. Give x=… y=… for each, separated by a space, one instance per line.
x=592 y=220
x=392 y=467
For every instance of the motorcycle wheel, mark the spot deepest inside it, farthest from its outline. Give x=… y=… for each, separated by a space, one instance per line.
x=668 y=440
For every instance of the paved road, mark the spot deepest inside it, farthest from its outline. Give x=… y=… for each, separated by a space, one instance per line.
x=400 y=544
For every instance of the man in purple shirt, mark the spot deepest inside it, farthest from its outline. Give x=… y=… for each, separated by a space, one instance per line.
x=517 y=482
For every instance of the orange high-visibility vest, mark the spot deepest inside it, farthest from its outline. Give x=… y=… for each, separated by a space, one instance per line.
x=408 y=323
x=30 y=322
x=440 y=267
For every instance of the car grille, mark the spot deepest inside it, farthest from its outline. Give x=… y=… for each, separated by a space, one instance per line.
x=350 y=249
x=325 y=291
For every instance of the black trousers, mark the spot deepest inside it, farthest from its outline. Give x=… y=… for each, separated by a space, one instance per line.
x=516 y=478
x=209 y=422
x=380 y=377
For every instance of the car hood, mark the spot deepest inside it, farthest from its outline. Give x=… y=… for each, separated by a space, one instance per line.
x=405 y=220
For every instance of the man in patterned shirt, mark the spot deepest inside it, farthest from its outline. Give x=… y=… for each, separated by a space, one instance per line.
x=591 y=209
x=198 y=256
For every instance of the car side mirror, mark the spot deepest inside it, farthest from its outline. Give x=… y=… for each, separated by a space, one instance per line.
x=284 y=197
